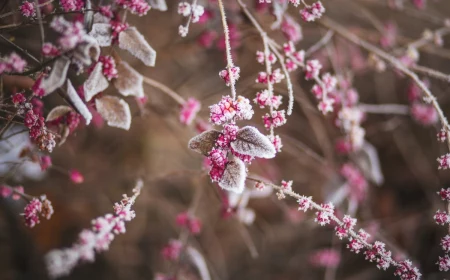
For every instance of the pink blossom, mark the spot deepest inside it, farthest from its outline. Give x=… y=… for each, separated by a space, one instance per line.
x=444 y=161
x=425 y=114
x=189 y=111
x=228 y=109
x=172 y=250
x=106 y=11
x=304 y=203
x=192 y=223
x=312 y=69
x=17 y=191
x=326 y=105
x=441 y=218
x=313 y=12
x=291 y=29
x=445 y=243
x=45 y=162
x=224 y=74
x=184 y=9
x=276 y=141
x=323 y=217
x=260 y=186
x=5 y=191
x=356 y=180
x=347 y=225
x=444 y=194
x=206 y=38
x=18 y=98
x=109 y=66
x=71 y=5
x=31 y=212
x=442 y=135
x=50 y=50
x=325 y=258
x=343 y=146
x=406 y=271
x=139 y=7
x=206 y=16
x=27 y=9
x=277 y=119
x=76 y=177
x=389 y=35
x=117 y=27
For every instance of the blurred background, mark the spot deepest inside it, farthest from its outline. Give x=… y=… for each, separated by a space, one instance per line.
x=281 y=243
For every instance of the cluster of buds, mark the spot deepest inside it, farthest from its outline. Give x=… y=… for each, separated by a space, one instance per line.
x=12 y=192
x=109 y=67
x=138 y=7
x=189 y=111
x=312 y=12
x=443 y=218
x=27 y=9
x=71 y=5
x=96 y=239
x=37 y=207
x=356 y=180
x=359 y=241
x=12 y=63
x=193 y=12
x=188 y=221
x=34 y=121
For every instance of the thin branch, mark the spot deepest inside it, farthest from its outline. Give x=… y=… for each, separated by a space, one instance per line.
x=175 y=96
x=230 y=64
x=319 y=44
x=21 y=50
x=430 y=72
x=394 y=109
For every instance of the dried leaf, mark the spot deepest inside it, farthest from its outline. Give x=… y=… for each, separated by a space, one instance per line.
x=95 y=83
x=78 y=103
x=233 y=178
x=58 y=112
x=86 y=52
x=99 y=18
x=64 y=132
x=57 y=76
x=102 y=33
x=133 y=41
x=129 y=81
x=115 y=111
x=251 y=142
x=204 y=142
x=158 y=4
x=199 y=262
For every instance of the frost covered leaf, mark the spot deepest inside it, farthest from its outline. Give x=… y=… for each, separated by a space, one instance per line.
x=233 y=178
x=86 y=52
x=115 y=111
x=58 y=112
x=129 y=81
x=204 y=142
x=251 y=142
x=78 y=103
x=369 y=162
x=102 y=33
x=198 y=261
x=158 y=4
x=57 y=76
x=95 y=83
x=133 y=41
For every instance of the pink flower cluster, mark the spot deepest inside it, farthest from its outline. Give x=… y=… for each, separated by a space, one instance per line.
x=172 y=251
x=443 y=218
x=13 y=192
x=276 y=119
x=312 y=12
x=35 y=208
x=189 y=111
x=12 y=63
x=356 y=180
x=185 y=9
x=71 y=5
x=325 y=258
x=191 y=223
x=27 y=9
x=224 y=74
x=34 y=121
x=109 y=66
x=139 y=7
x=291 y=29
x=50 y=50
x=359 y=241
x=230 y=110
x=72 y=33
x=97 y=239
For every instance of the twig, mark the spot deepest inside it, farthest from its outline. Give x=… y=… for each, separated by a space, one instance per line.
x=19 y=48
x=395 y=109
x=319 y=44
x=41 y=25
x=230 y=64
x=430 y=72
x=180 y=100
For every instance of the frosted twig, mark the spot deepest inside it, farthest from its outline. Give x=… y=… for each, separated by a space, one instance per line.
x=395 y=109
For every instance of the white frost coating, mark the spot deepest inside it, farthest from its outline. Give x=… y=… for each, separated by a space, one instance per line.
x=251 y=142
x=199 y=262
x=95 y=83
x=233 y=178
x=133 y=41
x=102 y=33
x=57 y=76
x=99 y=18
x=78 y=103
x=115 y=111
x=158 y=5
x=129 y=81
